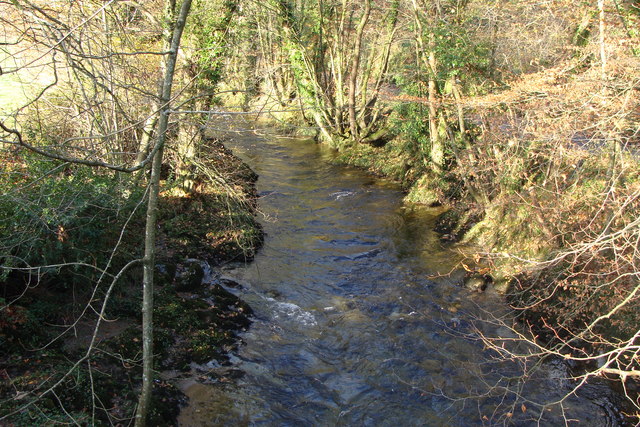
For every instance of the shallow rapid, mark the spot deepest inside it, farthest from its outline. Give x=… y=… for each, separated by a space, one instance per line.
x=357 y=322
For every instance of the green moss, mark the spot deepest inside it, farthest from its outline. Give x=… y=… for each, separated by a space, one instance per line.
x=511 y=228
x=205 y=344
x=391 y=160
x=174 y=312
x=424 y=192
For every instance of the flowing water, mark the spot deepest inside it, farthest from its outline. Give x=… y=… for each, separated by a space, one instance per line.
x=356 y=322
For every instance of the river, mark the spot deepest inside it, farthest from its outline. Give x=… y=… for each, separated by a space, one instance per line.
x=356 y=322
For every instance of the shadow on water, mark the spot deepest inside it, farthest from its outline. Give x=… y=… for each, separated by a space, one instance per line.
x=354 y=325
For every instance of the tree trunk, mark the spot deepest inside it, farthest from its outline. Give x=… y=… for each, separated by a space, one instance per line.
x=152 y=214
x=436 y=151
x=437 y=144
x=353 y=76
x=603 y=52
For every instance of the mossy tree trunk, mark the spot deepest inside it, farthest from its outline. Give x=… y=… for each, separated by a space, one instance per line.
x=338 y=54
x=435 y=152
x=353 y=75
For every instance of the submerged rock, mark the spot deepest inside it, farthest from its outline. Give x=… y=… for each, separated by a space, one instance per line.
x=476 y=281
x=190 y=279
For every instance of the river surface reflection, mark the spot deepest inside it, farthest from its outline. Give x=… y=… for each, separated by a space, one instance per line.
x=353 y=325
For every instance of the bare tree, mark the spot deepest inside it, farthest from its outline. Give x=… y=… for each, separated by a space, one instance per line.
x=93 y=108
x=329 y=59
x=152 y=213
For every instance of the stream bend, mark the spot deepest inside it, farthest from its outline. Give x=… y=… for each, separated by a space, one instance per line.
x=351 y=327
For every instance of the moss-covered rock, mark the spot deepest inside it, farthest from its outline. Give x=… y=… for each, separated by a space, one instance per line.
x=190 y=278
x=424 y=192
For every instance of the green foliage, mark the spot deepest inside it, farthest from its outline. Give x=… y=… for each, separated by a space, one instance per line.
x=411 y=121
x=456 y=51
x=209 y=25
x=72 y=397
x=458 y=54
x=21 y=323
x=206 y=343
x=52 y=213
x=14 y=321
x=305 y=86
x=582 y=32
x=176 y=313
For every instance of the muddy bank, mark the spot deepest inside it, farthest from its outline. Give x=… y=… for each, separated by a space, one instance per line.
x=196 y=318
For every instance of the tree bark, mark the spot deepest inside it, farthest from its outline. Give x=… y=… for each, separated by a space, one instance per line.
x=151 y=220
x=437 y=145
x=436 y=151
x=353 y=75
x=603 y=52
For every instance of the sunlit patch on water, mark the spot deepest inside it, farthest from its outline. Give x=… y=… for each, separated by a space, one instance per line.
x=342 y=194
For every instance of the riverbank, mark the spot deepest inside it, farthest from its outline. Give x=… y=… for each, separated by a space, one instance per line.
x=197 y=320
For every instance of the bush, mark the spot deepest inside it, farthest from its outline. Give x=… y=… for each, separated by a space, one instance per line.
x=52 y=213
